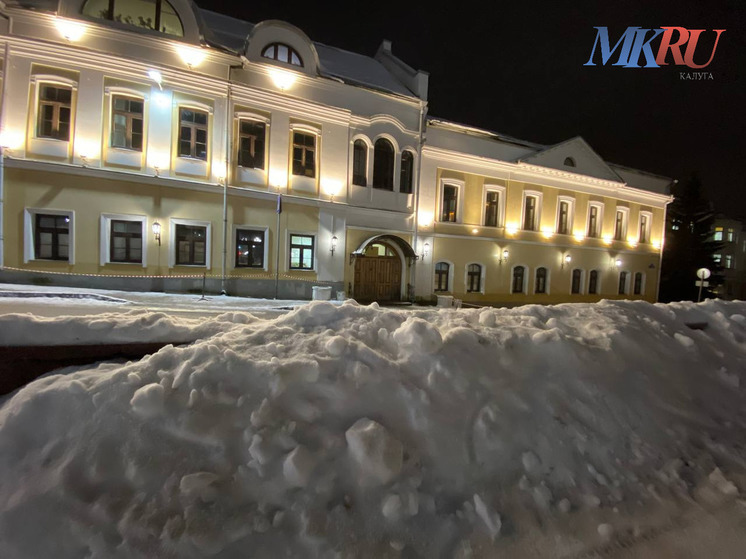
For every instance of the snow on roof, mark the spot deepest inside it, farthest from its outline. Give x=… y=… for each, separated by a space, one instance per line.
x=366 y=432
x=225 y=31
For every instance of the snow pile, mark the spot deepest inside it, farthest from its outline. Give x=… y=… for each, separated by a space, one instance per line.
x=351 y=431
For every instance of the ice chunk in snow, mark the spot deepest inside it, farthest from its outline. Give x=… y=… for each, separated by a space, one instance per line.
x=391 y=507
x=686 y=341
x=377 y=454
x=721 y=483
x=605 y=531
x=490 y=518
x=199 y=485
x=297 y=466
x=530 y=461
x=147 y=400
x=416 y=335
x=336 y=346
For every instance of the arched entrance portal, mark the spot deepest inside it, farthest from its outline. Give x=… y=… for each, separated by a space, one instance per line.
x=381 y=269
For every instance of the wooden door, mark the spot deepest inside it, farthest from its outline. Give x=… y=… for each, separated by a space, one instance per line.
x=378 y=278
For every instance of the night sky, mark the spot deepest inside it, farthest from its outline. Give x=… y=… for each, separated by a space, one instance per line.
x=517 y=68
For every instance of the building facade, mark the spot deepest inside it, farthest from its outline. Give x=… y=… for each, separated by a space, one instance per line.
x=731 y=257
x=155 y=146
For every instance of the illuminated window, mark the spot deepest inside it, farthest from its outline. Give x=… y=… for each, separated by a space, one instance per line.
x=192 y=133
x=249 y=248
x=442 y=269
x=282 y=53
x=645 y=221
x=519 y=274
x=126 y=122
x=157 y=15
x=728 y=261
x=301 y=252
x=251 y=140
x=731 y=234
x=360 y=163
x=473 y=278
x=718 y=234
x=449 y=204
x=304 y=154
x=492 y=208
x=54 y=112
x=383 y=164
x=407 y=171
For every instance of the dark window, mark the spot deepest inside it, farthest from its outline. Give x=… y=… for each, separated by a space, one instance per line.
x=54 y=112
x=191 y=245
x=282 y=53
x=518 y=273
x=407 y=170
x=125 y=241
x=563 y=220
x=491 y=208
x=474 y=277
x=383 y=164
x=193 y=133
x=569 y=162
x=304 y=154
x=52 y=237
x=576 y=274
x=619 y=226
x=638 y=283
x=157 y=15
x=360 y=163
x=301 y=252
x=643 y=228
x=441 y=276
x=249 y=248
x=541 y=280
x=593 y=282
x=593 y=221
x=622 y=283
x=449 y=206
x=251 y=138
x=529 y=214
x=126 y=122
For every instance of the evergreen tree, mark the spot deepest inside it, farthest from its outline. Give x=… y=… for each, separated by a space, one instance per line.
x=689 y=244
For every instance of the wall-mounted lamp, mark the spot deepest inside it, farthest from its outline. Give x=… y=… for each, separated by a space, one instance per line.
x=425 y=250
x=566 y=259
x=617 y=262
x=191 y=56
x=157 y=232
x=282 y=79
x=504 y=256
x=72 y=31
x=333 y=244
x=157 y=77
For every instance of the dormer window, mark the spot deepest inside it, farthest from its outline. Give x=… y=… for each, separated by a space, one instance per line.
x=569 y=162
x=157 y=15
x=282 y=53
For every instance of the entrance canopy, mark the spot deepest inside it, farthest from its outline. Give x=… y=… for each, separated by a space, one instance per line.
x=403 y=245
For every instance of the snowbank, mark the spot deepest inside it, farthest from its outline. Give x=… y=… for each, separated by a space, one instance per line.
x=349 y=431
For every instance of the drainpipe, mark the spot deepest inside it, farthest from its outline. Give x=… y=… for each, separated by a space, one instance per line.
x=423 y=113
x=228 y=122
x=2 y=161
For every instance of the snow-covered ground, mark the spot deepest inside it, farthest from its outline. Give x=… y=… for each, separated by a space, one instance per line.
x=577 y=430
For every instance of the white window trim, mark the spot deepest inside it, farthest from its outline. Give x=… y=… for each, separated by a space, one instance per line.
x=172 y=223
x=29 y=220
x=502 y=192
x=451 y=269
x=648 y=229
x=598 y=282
x=247 y=115
x=526 y=274
x=459 y=184
x=642 y=284
x=582 y=282
x=236 y=227
x=105 y=236
x=482 y=277
x=547 y=290
x=627 y=283
x=625 y=222
x=600 y=222
x=397 y=169
x=368 y=161
x=306 y=129
x=570 y=214
x=110 y=93
x=539 y=203
x=38 y=80
x=314 y=264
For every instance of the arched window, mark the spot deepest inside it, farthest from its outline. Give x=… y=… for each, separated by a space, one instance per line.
x=407 y=170
x=282 y=53
x=360 y=163
x=593 y=282
x=622 y=283
x=474 y=278
x=157 y=15
x=638 y=283
x=541 y=280
x=576 y=274
x=518 y=275
x=383 y=165
x=441 y=276
x=569 y=162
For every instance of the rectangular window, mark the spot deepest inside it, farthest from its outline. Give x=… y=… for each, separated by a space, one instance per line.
x=575 y=286
x=249 y=248
x=620 y=225
x=191 y=245
x=442 y=271
x=449 y=205
x=638 y=284
x=529 y=213
x=593 y=221
x=125 y=241
x=301 y=252
x=492 y=209
x=731 y=234
x=716 y=258
x=304 y=154
x=52 y=237
x=126 y=122
x=728 y=261
x=718 y=234
x=474 y=278
x=251 y=139
x=563 y=218
x=644 y=228
x=622 y=283
x=593 y=283
x=193 y=134
x=55 y=104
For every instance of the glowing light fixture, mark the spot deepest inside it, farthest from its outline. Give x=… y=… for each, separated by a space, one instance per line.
x=657 y=245
x=191 y=56
x=157 y=232
x=607 y=239
x=631 y=241
x=618 y=262
x=331 y=187
x=547 y=233
x=475 y=230
x=504 y=256
x=579 y=237
x=9 y=139
x=282 y=79
x=511 y=229
x=566 y=259
x=72 y=31
x=157 y=77
x=425 y=250
x=333 y=244
x=278 y=179
x=425 y=219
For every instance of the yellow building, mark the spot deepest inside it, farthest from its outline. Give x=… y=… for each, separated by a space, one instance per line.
x=153 y=145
